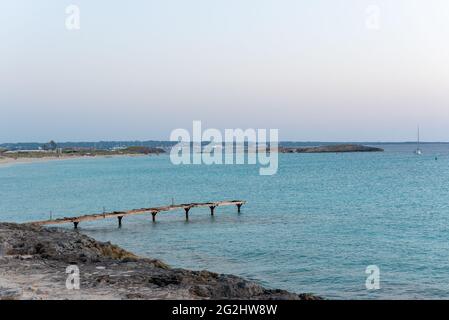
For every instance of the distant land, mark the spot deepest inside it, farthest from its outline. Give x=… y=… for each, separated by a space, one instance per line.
x=166 y=145
x=100 y=145
x=331 y=148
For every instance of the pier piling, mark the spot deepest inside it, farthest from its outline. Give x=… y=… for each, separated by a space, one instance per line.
x=239 y=205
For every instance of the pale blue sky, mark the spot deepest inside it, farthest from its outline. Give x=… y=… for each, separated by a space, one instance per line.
x=139 y=69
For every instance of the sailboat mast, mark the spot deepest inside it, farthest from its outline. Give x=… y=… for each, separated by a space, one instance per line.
x=418 y=138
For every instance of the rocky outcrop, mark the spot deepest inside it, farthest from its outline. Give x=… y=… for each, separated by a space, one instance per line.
x=331 y=148
x=33 y=262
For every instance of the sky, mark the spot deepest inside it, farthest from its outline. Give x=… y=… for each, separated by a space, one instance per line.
x=322 y=70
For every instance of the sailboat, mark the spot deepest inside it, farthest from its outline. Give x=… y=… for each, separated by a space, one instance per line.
x=418 y=150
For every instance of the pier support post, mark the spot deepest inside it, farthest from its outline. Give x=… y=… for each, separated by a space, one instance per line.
x=119 y=221
x=212 y=208
x=75 y=224
x=238 y=207
x=154 y=216
x=187 y=213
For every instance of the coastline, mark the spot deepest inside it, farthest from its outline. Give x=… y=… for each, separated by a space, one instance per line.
x=9 y=161
x=33 y=262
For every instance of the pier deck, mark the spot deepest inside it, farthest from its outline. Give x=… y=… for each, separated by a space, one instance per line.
x=154 y=211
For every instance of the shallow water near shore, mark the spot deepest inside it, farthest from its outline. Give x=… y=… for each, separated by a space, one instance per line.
x=313 y=227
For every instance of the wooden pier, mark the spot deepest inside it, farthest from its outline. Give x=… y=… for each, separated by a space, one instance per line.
x=154 y=211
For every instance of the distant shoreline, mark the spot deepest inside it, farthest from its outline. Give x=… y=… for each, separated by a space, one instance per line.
x=167 y=143
x=7 y=161
x=338 y=148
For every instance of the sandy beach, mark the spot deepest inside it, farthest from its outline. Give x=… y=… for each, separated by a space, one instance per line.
x=11 y=161
x=8 y=161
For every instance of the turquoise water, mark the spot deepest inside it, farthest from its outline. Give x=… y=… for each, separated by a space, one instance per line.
x=313 y=227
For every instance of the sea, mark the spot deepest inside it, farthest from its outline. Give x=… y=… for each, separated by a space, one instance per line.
x=317 y=226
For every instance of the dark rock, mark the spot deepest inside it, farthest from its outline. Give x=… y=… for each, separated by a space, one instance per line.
x=331 y=149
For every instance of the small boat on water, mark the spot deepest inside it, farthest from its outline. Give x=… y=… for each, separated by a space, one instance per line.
x=418 y=150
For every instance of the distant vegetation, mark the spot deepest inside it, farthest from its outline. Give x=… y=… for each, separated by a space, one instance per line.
x=143 y=150
x=50 y=146
x=128 y=150
x=53 y=149
x=101 y=145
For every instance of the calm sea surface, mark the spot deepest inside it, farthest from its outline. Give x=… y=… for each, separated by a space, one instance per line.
x=313 y=227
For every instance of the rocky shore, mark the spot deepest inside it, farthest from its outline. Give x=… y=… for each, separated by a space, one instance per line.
x=33 y=262
x=332 y=148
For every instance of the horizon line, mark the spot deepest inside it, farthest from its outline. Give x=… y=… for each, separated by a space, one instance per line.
x=281 y=141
